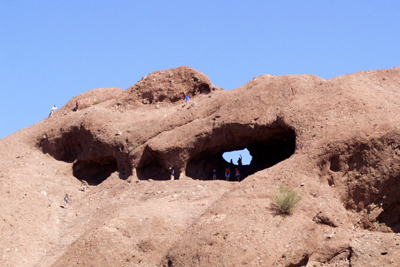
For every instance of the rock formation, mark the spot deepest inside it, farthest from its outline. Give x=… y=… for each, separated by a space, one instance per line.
x=336 y=142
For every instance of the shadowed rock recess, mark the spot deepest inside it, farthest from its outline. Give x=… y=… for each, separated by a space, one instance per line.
x=335 y=142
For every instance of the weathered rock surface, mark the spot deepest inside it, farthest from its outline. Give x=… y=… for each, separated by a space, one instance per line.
x=336 y=141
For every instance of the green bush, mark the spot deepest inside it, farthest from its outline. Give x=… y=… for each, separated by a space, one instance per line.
x=96 y=102
x=286 y=199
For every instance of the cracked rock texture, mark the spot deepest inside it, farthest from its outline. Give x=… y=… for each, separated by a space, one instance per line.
x=336 y=142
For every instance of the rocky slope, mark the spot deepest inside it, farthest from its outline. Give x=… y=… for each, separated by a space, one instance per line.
x=336 y=142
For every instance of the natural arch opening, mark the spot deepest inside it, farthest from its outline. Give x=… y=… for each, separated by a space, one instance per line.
x=238 y=157
x=267 y=145
x=95 y=171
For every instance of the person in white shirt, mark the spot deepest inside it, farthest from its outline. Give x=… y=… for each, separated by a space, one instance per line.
x=53 y=109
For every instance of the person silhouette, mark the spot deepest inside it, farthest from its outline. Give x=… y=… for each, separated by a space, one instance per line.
x=240 y=160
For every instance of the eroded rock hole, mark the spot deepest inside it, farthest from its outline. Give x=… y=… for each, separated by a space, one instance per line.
x=204 y=89
x=335 y=163
x=95 y=171
x=266 y=145
x=238 y=157
x=152 y=169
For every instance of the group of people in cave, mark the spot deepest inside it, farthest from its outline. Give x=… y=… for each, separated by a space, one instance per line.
x=214 y=177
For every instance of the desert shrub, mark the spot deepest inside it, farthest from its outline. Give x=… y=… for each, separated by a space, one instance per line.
x=286 y=199
x=96 y=102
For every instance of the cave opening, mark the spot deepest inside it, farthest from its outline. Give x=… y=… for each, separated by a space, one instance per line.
x=152 y=169
x=95 y=171
x=267 y=145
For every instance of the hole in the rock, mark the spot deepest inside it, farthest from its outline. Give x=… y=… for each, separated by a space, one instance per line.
x=204 y=89
x=238 y=157
x=266 y=145
x=335 y=163
x=95 y=171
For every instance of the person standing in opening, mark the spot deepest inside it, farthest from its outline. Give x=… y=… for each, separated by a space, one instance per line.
x=66 y=201
x=77 y=106
x=187 y=98
x=53 y=109
x=214 y=174
x=84 y=185
x=237 y=174
x=227 y=174
x=171 y=170
x=240 y=160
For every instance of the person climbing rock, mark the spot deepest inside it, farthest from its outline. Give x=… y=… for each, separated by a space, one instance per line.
x=237 y=174
x=84 y=185
x=214 y=174
x=171 y=172
x=77 y=106
x=66 y=201
x=187 y=99
x=53 y=109
x=227 y=174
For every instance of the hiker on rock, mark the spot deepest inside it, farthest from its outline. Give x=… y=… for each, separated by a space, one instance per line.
x=240 y=160
x=53 y=109
x=187 y=99
x=237 y=174
x=171 y=172
x=84 y=185
x=66 y=201
x=77 y=106
x=227 y=174
x=214 y=174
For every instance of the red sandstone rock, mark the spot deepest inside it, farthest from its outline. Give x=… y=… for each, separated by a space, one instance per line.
x=335 y=141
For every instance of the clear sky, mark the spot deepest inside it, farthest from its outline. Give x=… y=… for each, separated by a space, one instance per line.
x=51 y=51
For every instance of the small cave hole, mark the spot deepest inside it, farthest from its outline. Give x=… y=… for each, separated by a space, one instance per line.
x=204 y=89
x=152 y=169
x=95 y=171
x=335 y=163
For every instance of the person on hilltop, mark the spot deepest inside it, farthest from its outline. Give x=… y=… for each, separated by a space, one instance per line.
x=84 y=185
x=171 y=172
x=227 y=174
x=53 y=109
x=214 y=174
x=77 y=106
x=66 y=201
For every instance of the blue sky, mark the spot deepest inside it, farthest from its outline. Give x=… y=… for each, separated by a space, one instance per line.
x=51 y=51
